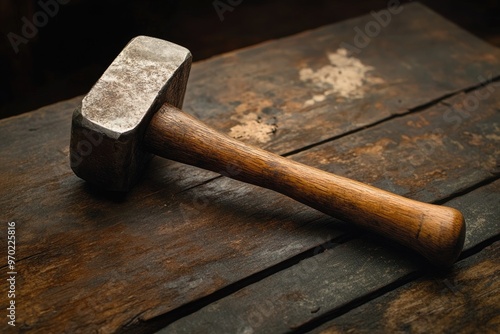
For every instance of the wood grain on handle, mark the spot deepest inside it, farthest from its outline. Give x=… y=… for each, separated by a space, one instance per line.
x=436 y=232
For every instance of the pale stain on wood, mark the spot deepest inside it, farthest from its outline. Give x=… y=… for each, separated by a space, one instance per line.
x=254 y=128
x=144 y=254
x=344 y=77
x=254 y=123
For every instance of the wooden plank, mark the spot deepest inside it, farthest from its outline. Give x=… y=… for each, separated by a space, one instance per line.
x=326 y=283
x=481 y=206
x=162 y=247
x=424 y=155
x=156 y=223
x=166 y=243
x=467 y=300
x=418 y=57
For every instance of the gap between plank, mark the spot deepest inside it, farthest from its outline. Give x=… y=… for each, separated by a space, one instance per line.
x=316 y=322
x=332 y=314
x=337 y=312
x=479 y=247
x=467 y=190
x=388 y=118
x=410 y=111
x=165 y=319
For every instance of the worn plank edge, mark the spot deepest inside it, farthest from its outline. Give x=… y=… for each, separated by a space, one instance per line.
x=409 y=278
x=462 y=264
x=410 y=111
x=160 y=321
x=156 y=323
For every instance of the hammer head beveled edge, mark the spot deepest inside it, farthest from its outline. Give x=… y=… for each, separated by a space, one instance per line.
x=107 y=128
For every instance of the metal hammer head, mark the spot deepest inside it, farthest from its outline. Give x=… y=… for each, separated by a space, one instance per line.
x=108 y=126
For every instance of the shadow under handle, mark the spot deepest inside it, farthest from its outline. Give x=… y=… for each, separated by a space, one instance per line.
x=437 y=232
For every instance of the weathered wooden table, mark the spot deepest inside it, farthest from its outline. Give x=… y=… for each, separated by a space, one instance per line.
x=412 y=107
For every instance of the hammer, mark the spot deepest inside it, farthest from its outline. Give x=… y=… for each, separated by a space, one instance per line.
x=134 y=111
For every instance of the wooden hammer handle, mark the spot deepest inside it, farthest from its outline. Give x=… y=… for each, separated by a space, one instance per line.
x=436 y=232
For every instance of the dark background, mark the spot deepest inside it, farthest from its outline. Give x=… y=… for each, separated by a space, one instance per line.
x=71 y=51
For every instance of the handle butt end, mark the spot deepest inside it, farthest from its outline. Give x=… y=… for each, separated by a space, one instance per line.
x=445 y=242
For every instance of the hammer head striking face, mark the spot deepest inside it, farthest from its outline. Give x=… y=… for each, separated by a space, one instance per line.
x=109 y=125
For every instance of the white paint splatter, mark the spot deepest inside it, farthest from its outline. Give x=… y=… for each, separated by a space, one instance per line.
x=345 y=77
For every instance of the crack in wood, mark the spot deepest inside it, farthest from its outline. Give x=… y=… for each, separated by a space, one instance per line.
x=466 y=190
x=165 y=319
x=335 y=313
x=413 y=110
x=332 y=314
x=339 y=311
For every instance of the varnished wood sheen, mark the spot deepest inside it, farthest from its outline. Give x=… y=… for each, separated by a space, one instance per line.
x=437 y=232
